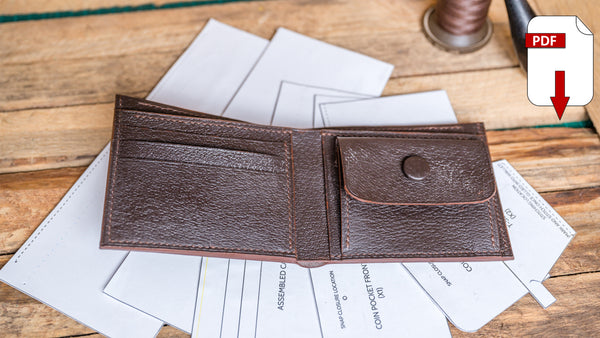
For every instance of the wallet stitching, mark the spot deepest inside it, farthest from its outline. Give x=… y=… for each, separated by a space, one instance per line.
x=112 y=181
x=448 y=137
x=436 y=253
x=288 y=181
x=326 y=197
x=393 y=254
x=347 y=222
x=200 y=246
x=213 y=122
x=489 y=205
x=118 y=137
x=501 y=227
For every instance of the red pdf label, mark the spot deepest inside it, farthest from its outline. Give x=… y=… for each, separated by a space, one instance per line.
x=545 y=40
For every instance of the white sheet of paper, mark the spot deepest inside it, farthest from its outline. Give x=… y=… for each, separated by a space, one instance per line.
x=210 y=71
x=162 y=285
x=321 y=99
x=473 y=293
x=204 y=78
x=210 y=298
x=406 y=109
x=62 y=266
x=286 y=305
x=297 y=58
x=374 y=300
x=296 y=100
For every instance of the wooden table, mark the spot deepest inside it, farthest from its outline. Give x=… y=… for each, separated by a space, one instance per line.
x=60 y=69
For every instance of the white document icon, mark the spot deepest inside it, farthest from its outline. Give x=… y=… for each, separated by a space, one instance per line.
x=560 y=60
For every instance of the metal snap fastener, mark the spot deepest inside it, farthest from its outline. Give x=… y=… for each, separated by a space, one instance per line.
x=415 y=167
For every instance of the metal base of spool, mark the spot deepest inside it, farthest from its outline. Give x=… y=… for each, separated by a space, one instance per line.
x=455 y=43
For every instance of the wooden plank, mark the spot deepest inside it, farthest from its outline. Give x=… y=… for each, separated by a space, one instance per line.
x=53 y=138
x=16 y=7
x=574 y=314
x=588 y=12
x=86 y=60
x=26 y=199
x=35 y=139
x=496 y=97
x=581 y=209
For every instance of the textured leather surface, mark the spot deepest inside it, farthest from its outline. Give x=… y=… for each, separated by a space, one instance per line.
x=186 y=182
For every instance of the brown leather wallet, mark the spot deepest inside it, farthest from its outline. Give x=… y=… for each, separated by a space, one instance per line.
x=190 y=183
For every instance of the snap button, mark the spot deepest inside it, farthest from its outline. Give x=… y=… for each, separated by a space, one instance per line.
x=415 y=167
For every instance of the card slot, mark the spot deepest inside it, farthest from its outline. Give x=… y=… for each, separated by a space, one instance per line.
x=139 y=133
x=202 y=208
x=179 y=153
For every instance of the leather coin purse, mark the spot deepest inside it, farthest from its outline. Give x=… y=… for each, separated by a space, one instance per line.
x=191 y=183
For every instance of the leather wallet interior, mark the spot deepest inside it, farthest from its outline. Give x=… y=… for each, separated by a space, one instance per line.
x=190 y=183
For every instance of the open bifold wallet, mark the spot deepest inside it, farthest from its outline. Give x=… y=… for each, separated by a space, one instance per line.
x=191 y=183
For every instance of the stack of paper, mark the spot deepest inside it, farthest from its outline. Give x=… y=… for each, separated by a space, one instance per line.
x=292 y=81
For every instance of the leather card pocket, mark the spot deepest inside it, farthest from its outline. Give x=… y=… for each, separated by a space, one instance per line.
x=201 y=196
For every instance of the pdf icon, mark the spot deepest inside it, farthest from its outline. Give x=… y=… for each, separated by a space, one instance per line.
x=545 y=40
x=560 y=62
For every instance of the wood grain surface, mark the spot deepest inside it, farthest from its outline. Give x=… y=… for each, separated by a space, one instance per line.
x=58 y=78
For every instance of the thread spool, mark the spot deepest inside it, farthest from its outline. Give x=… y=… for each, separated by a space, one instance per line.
x=459 y=26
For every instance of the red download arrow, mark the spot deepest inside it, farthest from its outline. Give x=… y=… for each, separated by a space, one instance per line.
x=559 y=100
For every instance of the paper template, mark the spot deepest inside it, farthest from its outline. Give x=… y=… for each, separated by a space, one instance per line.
x=406 y=109
x=204 y=78
x=296 y=58
x=321 y=99
x=210 y=298
x=286 y=306
x=374 y=300
x=296 y=100
x=209 y=72
x=163 y=285
x=575 y=59
x=231 y=303
x=62 y=266
x=473 y=293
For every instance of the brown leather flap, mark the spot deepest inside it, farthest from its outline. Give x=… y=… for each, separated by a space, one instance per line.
x=415 y=170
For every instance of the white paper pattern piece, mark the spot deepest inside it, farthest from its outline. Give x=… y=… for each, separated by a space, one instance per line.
x=210 y=71
x=62 y=266
x=255 y=299
x=296 y=100
x=407 y=109
x=160 y=284
x=322 y=99
x=204 y=81
x=210 y=298
x=473 y=293
x=374 y=300
x=296 y=58
x=286 y=303
x=576 y=59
